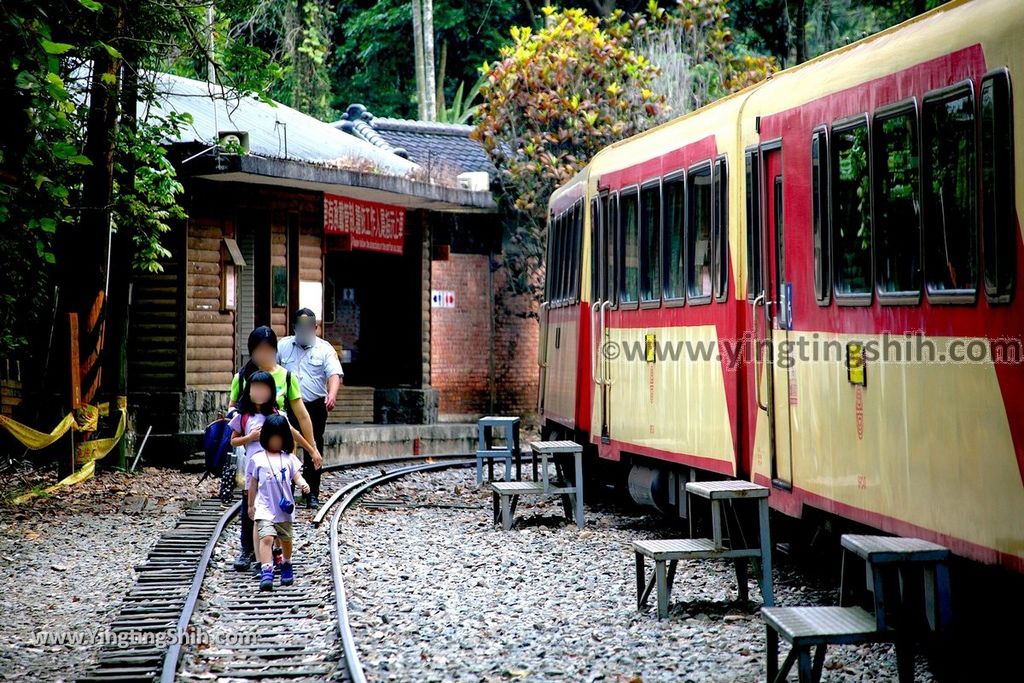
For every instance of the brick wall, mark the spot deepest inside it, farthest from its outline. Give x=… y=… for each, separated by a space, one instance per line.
x=461 y=343
x=516 y=337
x=459 y=348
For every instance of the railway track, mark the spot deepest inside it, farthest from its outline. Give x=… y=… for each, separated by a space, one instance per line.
x=277 y=634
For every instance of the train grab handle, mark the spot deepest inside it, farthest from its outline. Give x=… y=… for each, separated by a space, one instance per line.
x=603 y=326
x=759 y=301
x=542 y=356
x=595 y=344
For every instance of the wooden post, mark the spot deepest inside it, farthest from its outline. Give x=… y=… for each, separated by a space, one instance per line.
x=67 y=467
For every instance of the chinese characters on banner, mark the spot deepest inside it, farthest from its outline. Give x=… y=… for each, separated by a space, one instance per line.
x=371 y=226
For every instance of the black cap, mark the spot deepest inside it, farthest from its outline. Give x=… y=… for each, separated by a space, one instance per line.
x=304 y=313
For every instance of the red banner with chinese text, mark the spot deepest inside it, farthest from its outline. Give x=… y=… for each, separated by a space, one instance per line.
x=372 y=226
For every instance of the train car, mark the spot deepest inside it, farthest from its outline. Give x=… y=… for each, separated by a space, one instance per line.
x=564 y=399
x=811 y=284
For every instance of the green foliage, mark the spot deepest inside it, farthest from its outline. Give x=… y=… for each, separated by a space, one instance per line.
x=145 y=208
x=43 y=160
x=698 y=58
x=774 y=26
x=462 y=109
x=277 y=51
x=560 y=94
x=556 y=97
x=372 y=62
x=39 y=165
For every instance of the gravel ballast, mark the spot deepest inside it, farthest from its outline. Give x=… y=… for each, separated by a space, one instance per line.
x=439 y=594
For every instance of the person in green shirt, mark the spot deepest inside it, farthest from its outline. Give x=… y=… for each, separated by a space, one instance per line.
x=263 y=356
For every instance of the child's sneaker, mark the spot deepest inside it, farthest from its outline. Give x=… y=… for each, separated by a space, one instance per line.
x=278 y=558
x=256 y=569
x=267 y=579
x=287 y=574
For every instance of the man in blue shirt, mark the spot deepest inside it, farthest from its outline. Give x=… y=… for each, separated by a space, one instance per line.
x=314 y=362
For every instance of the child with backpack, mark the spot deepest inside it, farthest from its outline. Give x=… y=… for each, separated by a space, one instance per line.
x=255 y=405
x=271 y=474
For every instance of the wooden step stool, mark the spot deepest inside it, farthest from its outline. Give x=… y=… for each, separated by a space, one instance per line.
x=819 y=627
x=669 y=552
x=486 y=450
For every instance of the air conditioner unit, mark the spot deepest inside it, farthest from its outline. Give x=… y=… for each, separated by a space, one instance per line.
x=233 y=141
x=475 y=181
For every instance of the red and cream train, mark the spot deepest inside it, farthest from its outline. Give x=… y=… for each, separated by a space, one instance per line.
x=857 y=218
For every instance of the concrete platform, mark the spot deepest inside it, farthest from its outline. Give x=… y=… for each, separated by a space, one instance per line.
x=343 y=443
x=348 y=443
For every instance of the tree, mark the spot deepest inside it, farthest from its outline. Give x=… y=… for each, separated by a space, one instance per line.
x=697 y=56
x=555 y=97
x=277 y=50
x=796 y=30
x=86 y=191
x=372 y=62
x=560 y=94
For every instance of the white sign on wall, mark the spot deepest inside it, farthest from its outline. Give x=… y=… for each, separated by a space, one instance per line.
x=442 y=298
x=311 y=296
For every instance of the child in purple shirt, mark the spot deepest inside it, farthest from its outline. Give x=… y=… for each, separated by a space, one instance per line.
x=255 y=405
x=271 y=506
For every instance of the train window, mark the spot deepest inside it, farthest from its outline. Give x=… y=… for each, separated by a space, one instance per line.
x=549 y=279
x=698 y=235
x=595 y=250
x=819 y=217
x=753 y=183
x=650 y=234
x=851 y=211
x=949 y=188
x=897 y=203
x=570 y=244
x=720 y=229
x=565 y=230
x=999 y=233
x=560 y=259
x=629 y=246
x=559 y=262
x=554 y=249
x=578 y=252
x=673 y=195
x=611 y=247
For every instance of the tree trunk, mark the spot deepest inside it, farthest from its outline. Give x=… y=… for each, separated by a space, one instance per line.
x=211 y=69
x=795 y=17
x=439 y=102
x=800 y=32
x=293 y=32
x=428 y=58
x=84 y=264
x=116 y=372
x=826 y=24
x=417 y=41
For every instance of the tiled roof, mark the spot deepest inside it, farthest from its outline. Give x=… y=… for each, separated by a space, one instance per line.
x=290 y=149
x=424 y=142
x=275 y=130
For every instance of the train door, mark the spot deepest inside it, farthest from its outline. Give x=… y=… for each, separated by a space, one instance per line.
x=542 y=345
x=597 y=295
x=777 y=317
x=606 y=276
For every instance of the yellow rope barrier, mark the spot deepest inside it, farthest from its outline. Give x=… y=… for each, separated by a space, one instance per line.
x=84 y=419
x=35 y=439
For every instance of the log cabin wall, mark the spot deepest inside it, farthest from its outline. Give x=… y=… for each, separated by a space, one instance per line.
x=184 y=342
x=155 y=346
x=209 y=331
x=278 y=260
